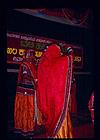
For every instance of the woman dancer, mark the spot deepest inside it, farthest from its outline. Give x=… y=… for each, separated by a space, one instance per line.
x=54 y=84
x=24 y=110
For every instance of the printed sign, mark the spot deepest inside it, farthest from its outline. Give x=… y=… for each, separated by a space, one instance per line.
x=17 y=44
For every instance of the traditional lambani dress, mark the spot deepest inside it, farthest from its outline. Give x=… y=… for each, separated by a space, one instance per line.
x=24 y=101
x=53 y=93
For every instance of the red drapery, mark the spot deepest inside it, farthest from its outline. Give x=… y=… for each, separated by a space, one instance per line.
x=52 y=71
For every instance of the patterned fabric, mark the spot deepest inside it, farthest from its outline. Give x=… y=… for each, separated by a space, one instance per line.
x=53 y=89
x=24 y=100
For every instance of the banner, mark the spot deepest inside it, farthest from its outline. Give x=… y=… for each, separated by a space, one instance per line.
x=17 y=44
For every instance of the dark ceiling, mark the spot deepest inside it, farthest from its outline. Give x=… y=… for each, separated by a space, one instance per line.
x=24 y=23
x=28 y=24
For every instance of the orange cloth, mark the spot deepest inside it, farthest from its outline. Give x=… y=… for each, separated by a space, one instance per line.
x=66 y=128
x=24 y=112
x=24 y=99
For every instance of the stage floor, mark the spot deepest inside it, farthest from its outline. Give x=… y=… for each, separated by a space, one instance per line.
x=81 y=122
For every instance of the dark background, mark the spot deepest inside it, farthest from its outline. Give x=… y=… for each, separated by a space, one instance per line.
x=23 y=23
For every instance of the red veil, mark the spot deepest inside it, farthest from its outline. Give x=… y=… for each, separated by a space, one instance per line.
x=52 y=95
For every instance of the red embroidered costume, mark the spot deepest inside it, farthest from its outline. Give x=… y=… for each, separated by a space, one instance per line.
x=25 y=92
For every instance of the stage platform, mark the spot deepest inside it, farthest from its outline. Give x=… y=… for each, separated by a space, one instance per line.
x=81 y=122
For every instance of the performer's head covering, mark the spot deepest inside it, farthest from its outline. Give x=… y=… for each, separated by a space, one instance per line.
x=29 y=55
x=52 y=51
